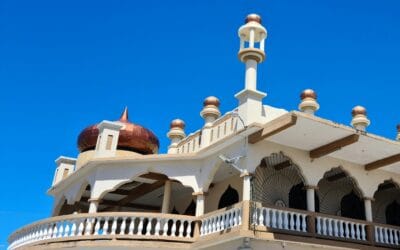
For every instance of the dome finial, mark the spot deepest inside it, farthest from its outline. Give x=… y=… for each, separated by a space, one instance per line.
x=124 y=116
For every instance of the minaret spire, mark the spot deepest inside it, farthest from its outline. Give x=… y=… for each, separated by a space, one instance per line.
x=124 y=116
x=252 y=43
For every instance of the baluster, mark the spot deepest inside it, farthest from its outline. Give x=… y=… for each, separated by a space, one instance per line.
x=363 y=233
x=292 y=220
x=273 y=218
x=105 y=227
x=335 y=227
x=347 y=229
x=218 y=224
x=66 y=229
x=149 y=226
x=55 y=232
x=261 y=216
x=45 y=232
x=235 y=215
x=324 y=226
x=239 y=212
x=97 y=226
x=40 y=232
x=285 y=215
x=214 y=224
x=165 y=228
x=140 y=226
x=377 y=239
x=131 y=225
x=80 y=228
x=223 y=222
x=114 y=225
x=157 y=227
x=330 y=231
x=123 y=226
x=227 y=217
x=210 y=225
x=358 y=234
x=391 y=236
x=280 y=219
x=396 y=238
x=298 y=222
x=202 y=227
x=189 y=229
x=318 y=225
x=386 y=236
x=173 y=229
x=267 y=218
x=304 y=223
x=181 y=228
x=73 y=229
x=341 y=230
x=352 y=230
x=89 y=225
x=382 y=234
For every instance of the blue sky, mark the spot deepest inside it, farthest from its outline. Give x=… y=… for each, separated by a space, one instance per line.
x=67 y=64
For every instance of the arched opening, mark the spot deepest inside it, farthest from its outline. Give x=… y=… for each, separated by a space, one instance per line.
x=279 y=182
x=386 y=204
x=145 y=194
x=339 y=195
x=228 y=198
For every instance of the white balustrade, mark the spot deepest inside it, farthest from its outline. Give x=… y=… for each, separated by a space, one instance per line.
x=387 y=235
x=341 y=228
x=280 y=219
x=221 y=128
x=174 y=227
x=222 y=221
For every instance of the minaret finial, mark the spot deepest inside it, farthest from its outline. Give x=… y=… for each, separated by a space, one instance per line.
x=124 y=116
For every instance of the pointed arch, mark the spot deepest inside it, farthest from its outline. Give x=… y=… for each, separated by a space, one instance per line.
x=340 y=194
x=276 y=175
x=228 y=198
x=385 y=206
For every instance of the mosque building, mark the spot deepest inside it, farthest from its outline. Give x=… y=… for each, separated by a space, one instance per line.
x=257 y=177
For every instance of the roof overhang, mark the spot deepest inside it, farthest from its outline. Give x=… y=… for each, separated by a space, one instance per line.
x=321 y=137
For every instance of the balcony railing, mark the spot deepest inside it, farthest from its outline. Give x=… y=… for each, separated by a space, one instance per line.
x=221 y=128
x=245 y=215
x=106 y=226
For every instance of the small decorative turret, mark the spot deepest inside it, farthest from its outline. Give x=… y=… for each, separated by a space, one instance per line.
x=308 y=102
x=176 y=134
x=360 y=120
x=210 y=110
x=252 y=43
x=398 y=132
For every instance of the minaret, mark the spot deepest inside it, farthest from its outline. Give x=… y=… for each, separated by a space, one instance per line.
x=252 y=41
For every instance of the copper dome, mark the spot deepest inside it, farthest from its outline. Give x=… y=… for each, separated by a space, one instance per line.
x=132 y=137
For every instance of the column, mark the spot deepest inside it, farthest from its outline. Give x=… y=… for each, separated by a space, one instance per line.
x=368 y=208
x=167 y=197
x=199 y=203
x=94 y=204
x=246 y=186
x=311 y=197
x=251 y=74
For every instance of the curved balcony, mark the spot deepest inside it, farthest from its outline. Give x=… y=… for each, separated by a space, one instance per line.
x=106 y=226
x=247 y=217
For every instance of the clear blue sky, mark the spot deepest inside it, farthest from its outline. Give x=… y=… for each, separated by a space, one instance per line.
x=67 y=64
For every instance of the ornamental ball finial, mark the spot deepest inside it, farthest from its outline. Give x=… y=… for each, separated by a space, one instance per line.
x=359 y=110
x=177 y=123
x=253 y=18
x=211 y=100
x=308 y=93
